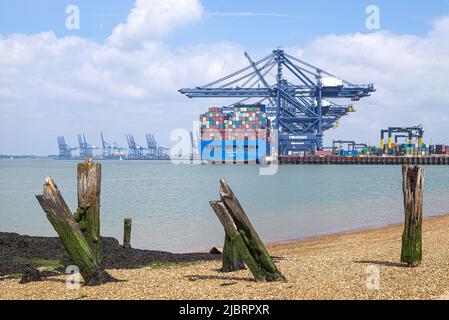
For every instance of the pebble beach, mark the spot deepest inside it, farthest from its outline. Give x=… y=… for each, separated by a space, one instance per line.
x=340 y=266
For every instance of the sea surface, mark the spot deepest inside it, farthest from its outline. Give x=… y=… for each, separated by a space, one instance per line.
x=169 y=204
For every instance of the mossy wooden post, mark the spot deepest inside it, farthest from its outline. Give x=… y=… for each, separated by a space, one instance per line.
x=127 y=233
x=252 y=240
x=88 y=213
x=232 y=259
x=412 y=187
x=246 y=241
x=60 y=216
x=236 y=239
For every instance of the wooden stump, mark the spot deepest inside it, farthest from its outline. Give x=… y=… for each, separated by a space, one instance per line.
x=240 y=249
x=232 y=259
x=127 y=233
x=412 y=187
x=242 y=239
x=60 y=216
x=88 y=213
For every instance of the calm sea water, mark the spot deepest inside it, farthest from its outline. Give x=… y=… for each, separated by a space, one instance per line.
x=169 y=203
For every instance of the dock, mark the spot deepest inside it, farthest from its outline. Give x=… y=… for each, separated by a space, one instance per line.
x=367 y=160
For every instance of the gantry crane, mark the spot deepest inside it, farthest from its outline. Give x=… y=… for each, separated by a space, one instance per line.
x=111 y=150
x=135 y=151
x=86 y=150
x=297 y=97
x=65 y=151
x=152 y=146
x=351 y=145
x=401 y=132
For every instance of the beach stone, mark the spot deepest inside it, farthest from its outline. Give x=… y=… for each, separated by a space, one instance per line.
x=30 y=275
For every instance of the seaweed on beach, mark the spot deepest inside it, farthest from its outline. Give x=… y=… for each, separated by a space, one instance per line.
x=20 y=252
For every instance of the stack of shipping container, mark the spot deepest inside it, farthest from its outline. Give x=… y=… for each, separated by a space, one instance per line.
x=404 y=150
x=240 y=135
x=415 y=150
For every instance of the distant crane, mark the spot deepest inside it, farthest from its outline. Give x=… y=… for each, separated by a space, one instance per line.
x=111 y=150
x=135 y=151
x=351 y=145
x=162 y=153
x=152 y=146
x=298 y=99
x=86 y=150
x=65 y=151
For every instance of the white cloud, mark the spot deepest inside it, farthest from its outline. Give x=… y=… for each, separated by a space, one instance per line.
x=152 y=19
x=63 y=86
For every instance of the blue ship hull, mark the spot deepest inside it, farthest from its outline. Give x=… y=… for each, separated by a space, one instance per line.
x=237 y=151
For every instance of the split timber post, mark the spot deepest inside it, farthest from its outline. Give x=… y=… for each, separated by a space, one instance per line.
x=127 y=233
x=232 y=259
x=412 y=187
x=88 y=213
x=60 y=216
x=243 y=240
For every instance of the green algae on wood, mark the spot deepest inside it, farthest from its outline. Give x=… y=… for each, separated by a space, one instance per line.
x=412 y=187
x=87 y=214
x=232 y=259
x=243 y=236
x=127 y=223
x=62 y=220
x=250 y=236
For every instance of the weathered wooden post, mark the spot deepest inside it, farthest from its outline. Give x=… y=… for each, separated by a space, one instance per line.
x=127 y=233
x=88 y=213
x=60 y=216
x=243 y=240
x=232 y=259
x=412 y=187
x=239 y=249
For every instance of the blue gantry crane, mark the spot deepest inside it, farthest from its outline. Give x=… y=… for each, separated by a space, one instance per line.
x=111 y=150
x=135 y=151
x=401 y=132
x=86 y=150
x=152 y=146
x=297 y=94
x=65 y=151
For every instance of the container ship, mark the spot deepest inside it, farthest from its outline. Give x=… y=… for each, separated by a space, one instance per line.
x=241 y=134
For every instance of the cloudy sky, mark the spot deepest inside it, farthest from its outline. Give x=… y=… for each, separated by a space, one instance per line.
x=120 y=71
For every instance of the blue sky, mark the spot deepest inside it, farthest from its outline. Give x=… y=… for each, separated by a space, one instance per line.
x=124 y=71
x=256 y=24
